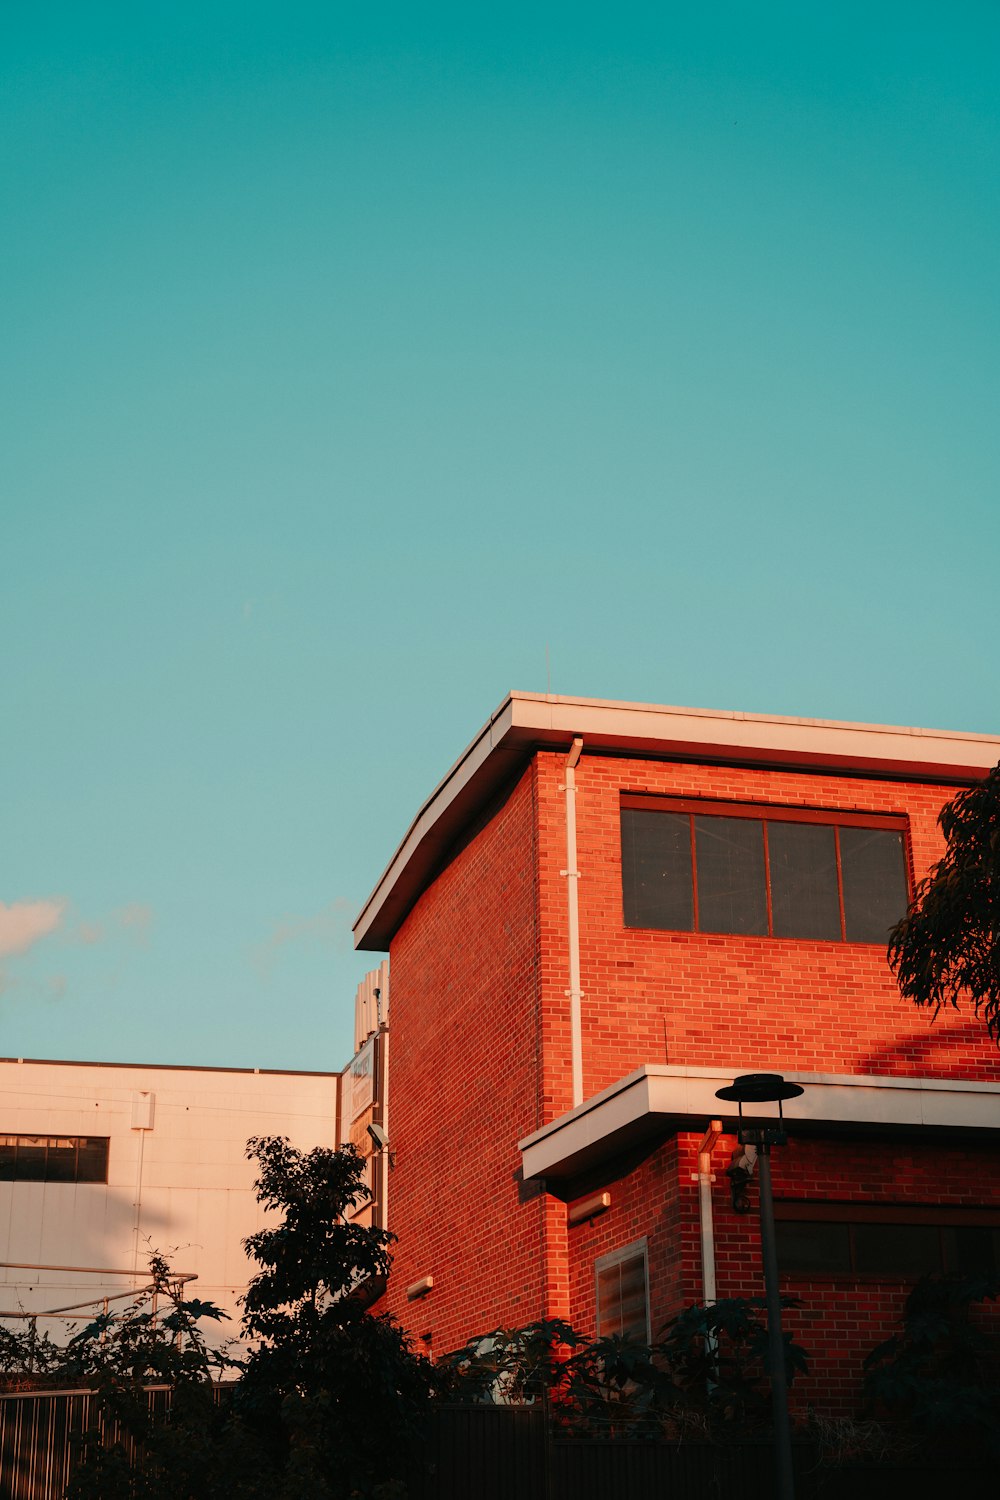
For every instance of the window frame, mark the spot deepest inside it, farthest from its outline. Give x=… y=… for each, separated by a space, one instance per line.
x=16 y=1138
x=936 y=1216
x=603 y=1263
x=764 y=813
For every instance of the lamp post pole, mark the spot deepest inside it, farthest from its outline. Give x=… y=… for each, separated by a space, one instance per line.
x=776 y=1341
x=761 y=1088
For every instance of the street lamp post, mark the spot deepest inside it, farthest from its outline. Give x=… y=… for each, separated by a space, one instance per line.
x=769 y=1088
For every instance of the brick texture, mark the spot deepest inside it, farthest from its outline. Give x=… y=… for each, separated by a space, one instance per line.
x=465 y=1073
x=481 y=1057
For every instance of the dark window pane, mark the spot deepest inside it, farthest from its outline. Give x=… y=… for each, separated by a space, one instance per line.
x=813 y=1247
x=621 y=1298
x=803 y=861
x=53 y=1158
x=31 y=1153
x=898 y=1249
x=93 y=1159
x=633 y=1297
x=731 y=890
x=871 y=860
x=608 y=1302
x=61 y=1164
x=656 y=870
x=972 y=1250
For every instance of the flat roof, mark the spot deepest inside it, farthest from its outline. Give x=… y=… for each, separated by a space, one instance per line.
x=526 y=722
x=155 y=1067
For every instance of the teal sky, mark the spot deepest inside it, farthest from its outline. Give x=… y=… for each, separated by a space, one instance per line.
x=353 y=355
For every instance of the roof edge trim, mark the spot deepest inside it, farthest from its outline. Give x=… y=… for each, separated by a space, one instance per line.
x=525 y=722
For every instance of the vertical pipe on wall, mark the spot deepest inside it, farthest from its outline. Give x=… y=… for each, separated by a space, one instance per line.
x=143 y=1102
x=706 y=1222
x=707 y=1225
x=137 y=1205
x=386 y=1159
x=572 y=875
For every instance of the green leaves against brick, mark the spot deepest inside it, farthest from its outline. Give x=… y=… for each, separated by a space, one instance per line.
x=947 y=947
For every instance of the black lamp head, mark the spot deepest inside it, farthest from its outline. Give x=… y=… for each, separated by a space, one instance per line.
x=759 y=1088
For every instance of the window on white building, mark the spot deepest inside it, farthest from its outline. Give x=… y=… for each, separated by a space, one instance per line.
x=53 y=1158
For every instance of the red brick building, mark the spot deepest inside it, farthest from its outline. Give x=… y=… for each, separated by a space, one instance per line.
x=602 y=914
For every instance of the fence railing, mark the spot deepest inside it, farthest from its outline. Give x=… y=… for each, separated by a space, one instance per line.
x=495 y=1453
x=39 y=1433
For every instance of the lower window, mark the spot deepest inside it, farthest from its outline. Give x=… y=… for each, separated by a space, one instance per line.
x=887 y=1241
x=623 y=1292
x=53 y=1158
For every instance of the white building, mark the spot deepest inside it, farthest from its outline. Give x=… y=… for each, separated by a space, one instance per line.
x=101 y=1163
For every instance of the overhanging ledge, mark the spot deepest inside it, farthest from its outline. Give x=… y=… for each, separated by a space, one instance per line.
x=656 y=1100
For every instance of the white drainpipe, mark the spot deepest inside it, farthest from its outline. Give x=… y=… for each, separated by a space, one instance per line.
x=387 y=1160
x=704 y=1178
x=572 y=875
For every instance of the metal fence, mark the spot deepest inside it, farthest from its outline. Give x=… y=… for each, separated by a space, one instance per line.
x=39 y=1435
x=507 y=1453
x=498 y=1453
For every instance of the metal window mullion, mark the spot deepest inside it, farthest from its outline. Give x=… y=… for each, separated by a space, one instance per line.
x=840 y=884
x=767 y=878
x=694 y=877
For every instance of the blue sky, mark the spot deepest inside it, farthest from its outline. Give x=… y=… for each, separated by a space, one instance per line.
x=353 y=356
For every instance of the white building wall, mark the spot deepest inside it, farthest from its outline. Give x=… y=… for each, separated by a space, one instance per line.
x=182 y=1187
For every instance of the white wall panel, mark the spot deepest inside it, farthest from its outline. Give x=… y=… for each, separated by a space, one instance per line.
x=197 y=1202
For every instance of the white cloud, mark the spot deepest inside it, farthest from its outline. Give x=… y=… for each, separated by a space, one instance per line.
x=25 y=923
x=134 y=921
x=329 y=926
x=138 y=919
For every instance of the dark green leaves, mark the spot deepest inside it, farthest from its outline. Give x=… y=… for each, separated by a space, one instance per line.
x=947 y=947
x=705 y=1374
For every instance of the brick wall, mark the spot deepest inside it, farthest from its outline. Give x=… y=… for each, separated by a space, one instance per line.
x=645 y=1204
x=481 y=1057
x=746 y=1003
x=841 y=1318
x=465 y=1086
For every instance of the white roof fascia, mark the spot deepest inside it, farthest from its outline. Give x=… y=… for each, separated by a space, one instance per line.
x=525 y=722
x=658 y=1095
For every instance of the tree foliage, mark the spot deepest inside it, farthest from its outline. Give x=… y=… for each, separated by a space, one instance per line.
x=939 y=1374
x=335 y=1392
x=315 y=1256
x=705 y=1374
x=27 y=1358
x=947 y=947
x=128 y=1452
x=329 y=1401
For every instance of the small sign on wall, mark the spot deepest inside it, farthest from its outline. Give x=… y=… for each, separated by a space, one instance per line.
x=363 y=1079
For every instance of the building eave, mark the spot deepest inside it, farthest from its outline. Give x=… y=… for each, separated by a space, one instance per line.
x=526 y=722
x=657 y=1100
